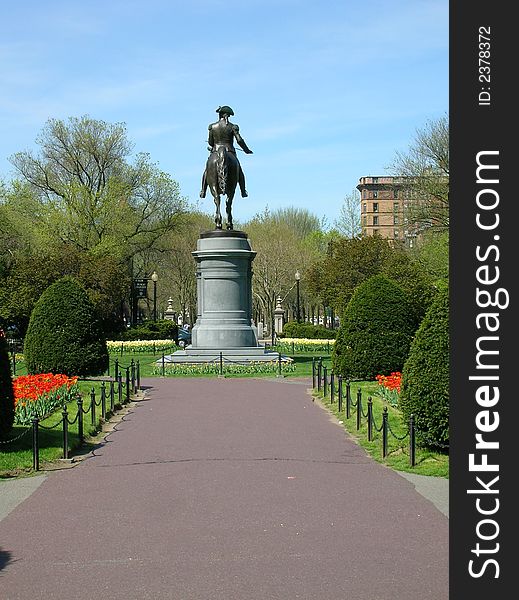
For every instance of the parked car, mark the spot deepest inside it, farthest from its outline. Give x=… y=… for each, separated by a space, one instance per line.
x=184 y=337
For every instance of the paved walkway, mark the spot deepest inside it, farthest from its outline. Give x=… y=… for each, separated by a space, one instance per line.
x=224 y=489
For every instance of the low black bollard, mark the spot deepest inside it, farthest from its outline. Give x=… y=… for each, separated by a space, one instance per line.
x=127 y=384
x=339 y=393
x=325 y=381
x=112 y=395
x=384 y=432
x=319 y=368
x=120 y=389
x=132 y=370
x=163 y=365
x=412 y=441
x=139 y=375
x=359 y=407
x=313 y=372
x=279 y=364
x=80 y=433
x=348 y=399
x=35 y=445
x=65 y=432
x=93 y=407
x=370 y=419
x=332 y=387
x=221 y=364
x=103 y=400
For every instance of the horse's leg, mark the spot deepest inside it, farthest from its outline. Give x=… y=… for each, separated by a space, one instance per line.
x=228 y=208
x=218 y=214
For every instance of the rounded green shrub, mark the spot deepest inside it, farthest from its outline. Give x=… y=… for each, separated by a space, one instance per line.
x=293 y=329
x=425 y=377
x=376 y=331
x=6 y=390
x=64 y=333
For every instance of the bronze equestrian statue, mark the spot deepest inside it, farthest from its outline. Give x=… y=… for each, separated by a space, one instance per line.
x=223 y=170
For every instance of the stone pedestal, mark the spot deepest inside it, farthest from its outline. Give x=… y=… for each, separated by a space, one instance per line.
x=224 y=301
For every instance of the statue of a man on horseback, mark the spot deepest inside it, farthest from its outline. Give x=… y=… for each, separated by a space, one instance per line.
x=223 y=170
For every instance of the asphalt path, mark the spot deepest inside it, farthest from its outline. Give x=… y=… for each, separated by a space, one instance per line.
x=225 y=489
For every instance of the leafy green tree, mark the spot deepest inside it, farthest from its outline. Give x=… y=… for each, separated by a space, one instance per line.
x=348 y=223
x=64 y=333
x=375 y=332
x=425 y=169
x=91 y=195
x=6 y=390
x=425 y=377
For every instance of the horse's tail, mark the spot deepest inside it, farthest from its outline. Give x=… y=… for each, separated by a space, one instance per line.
x=221 y=170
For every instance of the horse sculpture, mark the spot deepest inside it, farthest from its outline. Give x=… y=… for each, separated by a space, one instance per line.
x=222 y=174
x=223 y=170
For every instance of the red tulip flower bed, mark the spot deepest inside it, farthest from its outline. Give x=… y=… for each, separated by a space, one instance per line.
x=390 y=387
x=40 y=395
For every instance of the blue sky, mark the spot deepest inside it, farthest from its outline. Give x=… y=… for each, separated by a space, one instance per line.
x=324 y=92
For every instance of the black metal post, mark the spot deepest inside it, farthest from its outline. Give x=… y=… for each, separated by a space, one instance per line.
x=163 y=365
x=279 y=364
x=80 y=433
x=155 y=301
x=412 y=441
x=298 y=314
x=132 y=370
x=319 y=368
x=112 y=395
x=120 y=389
x=127 y=384
x=116 y=368
x=221 y=363
x=359 y=407
x=325 y=381
x=370 y=419
x=384 y=432
x=93 y=407
x=103 y=401
x=339 y=393
x=65 y=432
x=348 y=399
x=139 y=375
x=332 y=387
x=35 y=445
x=313 y=372
x=13 y=359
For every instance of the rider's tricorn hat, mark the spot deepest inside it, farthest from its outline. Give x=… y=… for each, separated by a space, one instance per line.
x=226 y=110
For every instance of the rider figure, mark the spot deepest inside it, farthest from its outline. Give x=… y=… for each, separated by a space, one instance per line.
x=221 y=134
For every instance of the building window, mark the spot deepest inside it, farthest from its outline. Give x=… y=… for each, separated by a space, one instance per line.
x=375 y=179
x=364 y=193
x=395 y=220
x=375 y=193
x=396 y=207
x=375 y=220
x=364 y=220
x=375 y=206
x=364 y=207
x=395 y=193
x=395 y=234
x=375 y=231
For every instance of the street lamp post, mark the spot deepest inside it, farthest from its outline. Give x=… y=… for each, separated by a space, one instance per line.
x=298 y=277
x=154 y=278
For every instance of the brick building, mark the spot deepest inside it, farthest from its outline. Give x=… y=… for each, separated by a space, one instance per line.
x=383 y=201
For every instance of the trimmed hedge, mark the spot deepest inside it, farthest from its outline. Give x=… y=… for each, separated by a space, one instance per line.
x=375 y=332
x=293 y=329
x=151 y=330
x=425 y=377
x=64 y=334
x=6 y=390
